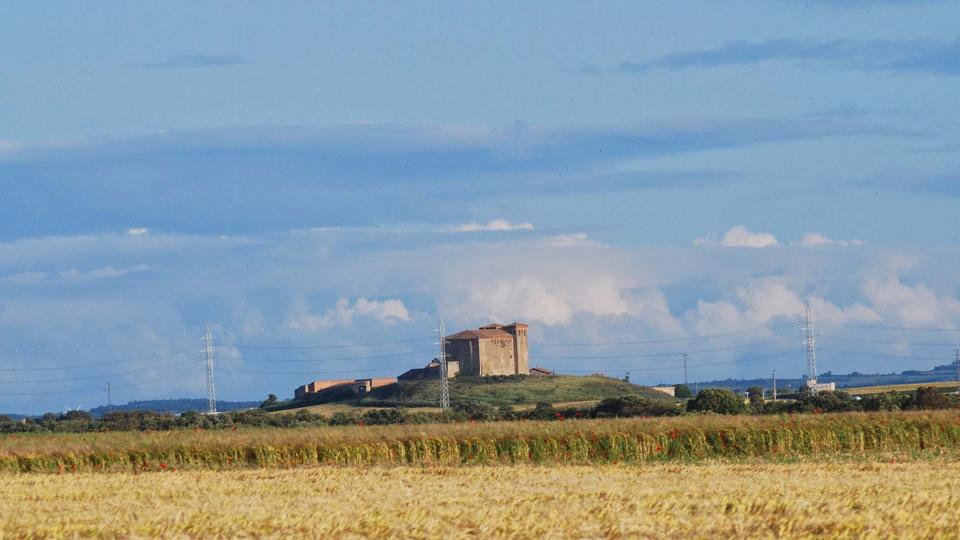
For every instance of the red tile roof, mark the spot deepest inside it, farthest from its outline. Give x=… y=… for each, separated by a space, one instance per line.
x=481 y=333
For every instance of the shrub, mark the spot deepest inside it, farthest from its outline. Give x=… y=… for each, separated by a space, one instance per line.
x=383 y=417
x=682 y=391
x=633 y=406
x=927 y=397
x=826 y=402
x=717 y=400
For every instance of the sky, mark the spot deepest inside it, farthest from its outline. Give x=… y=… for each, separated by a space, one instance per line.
x=320 y=184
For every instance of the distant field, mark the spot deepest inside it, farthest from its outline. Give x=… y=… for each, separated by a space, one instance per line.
x=713 y=500
x=571 y=441
x=863 y=390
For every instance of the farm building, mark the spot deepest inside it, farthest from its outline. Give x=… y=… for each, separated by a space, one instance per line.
x=494 y=349
x=355 y=386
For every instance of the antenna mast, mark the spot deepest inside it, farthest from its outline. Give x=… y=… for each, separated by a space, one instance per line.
x=442 y=358
x=208 y=360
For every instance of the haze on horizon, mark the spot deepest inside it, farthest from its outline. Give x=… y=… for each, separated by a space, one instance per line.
x=634 y=181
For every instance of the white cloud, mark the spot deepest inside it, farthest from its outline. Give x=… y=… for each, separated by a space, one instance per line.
x=738 y=236
x=388 y=312
x=570 y=240
x=493 y=225
x=816 y=239
x=137 y=231
x=763 y=301
x=916 y=306
x=107 y=272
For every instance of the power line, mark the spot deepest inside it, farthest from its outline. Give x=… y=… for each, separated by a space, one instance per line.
x=890 y=327
x=102 y=375
x=310 y=347
x=667 y=353
x=756 y=330
x=97 y=364
x=867 y=339
x=311 y=360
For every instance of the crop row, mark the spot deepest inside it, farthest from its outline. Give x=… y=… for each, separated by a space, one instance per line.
x=587 y=441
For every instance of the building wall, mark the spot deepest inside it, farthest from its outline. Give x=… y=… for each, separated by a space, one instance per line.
x=466 y=353
x=496 y=357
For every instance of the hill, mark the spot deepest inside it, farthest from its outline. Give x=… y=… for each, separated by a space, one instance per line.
x=493 y=391
x=943 y=373
x=174 y=406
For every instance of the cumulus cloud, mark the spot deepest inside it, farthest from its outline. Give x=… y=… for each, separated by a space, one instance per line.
x=570 y=240
x=816 y=240
x=389 y=312
x=911 y=306
x=764 y=301
x=492 y=225
x=739 y=236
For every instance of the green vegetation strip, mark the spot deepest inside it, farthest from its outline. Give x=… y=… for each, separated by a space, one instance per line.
x=689 y=438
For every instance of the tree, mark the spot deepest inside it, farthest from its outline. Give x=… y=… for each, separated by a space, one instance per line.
x=271 y=399
x=927 y=397
x=682 y=391
x=717 y=400
x=755 y=393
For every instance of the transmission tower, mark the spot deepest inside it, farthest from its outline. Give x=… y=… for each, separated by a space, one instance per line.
x=956 y=352
x=811 y=348
x=684 y=369
x=442 y=358
x=208 y=360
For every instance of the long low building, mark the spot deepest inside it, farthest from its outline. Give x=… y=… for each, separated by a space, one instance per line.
x=356 y=386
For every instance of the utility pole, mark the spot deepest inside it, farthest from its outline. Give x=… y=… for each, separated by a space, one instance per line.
x=109 y=401
x=208 y=360
x=685 y=369
x=774 y=385
x=811 y=350
x=442 y=358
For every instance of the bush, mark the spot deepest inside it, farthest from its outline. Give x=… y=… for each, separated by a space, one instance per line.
x=625 y=406
x=682 y=391
x=886 y=401
x=475 y=410
x=827 y=401
x=927 y=397
x=383 y=417
x=717 y=400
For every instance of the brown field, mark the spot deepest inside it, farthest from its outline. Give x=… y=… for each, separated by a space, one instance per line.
x=711 y=500
x=863 y=390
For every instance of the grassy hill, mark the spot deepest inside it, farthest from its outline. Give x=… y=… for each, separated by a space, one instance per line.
x=494 y=391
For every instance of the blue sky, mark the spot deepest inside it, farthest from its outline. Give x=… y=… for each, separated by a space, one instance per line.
x=309 y=175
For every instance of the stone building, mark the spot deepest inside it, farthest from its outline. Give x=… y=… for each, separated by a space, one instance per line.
x=495 y=349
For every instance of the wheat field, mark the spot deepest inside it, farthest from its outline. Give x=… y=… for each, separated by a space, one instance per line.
x=632 y=440
x=711 y=500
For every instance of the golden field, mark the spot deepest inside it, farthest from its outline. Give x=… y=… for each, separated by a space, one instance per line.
x=919 y=499
x=632 y=440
